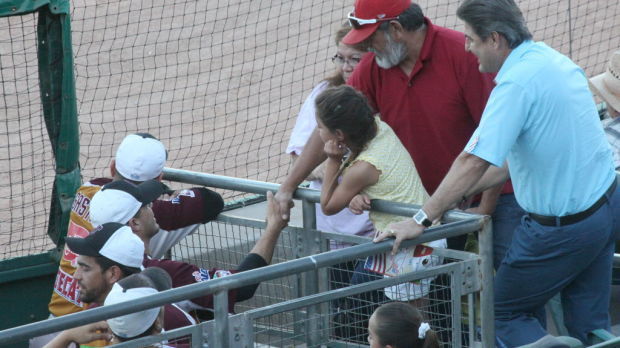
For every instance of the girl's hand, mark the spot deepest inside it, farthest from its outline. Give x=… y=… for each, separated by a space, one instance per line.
x=359 y=203
x=335 y=150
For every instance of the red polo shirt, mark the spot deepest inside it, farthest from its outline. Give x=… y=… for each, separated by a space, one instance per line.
x=435 y=110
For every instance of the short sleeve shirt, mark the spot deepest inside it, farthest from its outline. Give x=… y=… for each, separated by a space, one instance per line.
x=542 y=119
x=435 y=109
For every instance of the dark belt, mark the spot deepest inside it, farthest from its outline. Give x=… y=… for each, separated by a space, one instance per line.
x=571 y=219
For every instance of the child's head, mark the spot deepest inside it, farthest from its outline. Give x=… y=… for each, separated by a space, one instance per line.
x=342 y=112
x=400 y=325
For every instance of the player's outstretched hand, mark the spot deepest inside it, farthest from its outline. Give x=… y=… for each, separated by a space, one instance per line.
x=284 y=201
x=407 y=229
x=274 y=217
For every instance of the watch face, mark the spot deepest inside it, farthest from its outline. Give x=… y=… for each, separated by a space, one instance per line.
x=422 y=219
x=419 y=216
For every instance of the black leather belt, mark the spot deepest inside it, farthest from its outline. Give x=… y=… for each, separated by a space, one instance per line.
x=571 y=219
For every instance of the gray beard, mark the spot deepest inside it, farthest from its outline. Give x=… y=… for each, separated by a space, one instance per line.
x=394 y=53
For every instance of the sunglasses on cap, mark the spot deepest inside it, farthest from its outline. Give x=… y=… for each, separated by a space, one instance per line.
x=357 y=23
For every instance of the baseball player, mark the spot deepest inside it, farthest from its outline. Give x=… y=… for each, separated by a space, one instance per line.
x=139 y=157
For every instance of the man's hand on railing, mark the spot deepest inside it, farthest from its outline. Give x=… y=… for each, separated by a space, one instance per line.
x=407 y=229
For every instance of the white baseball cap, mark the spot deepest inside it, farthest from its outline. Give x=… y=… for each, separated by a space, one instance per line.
x=140 y=157
x=133 y=324
x=120 y=200
x=112 y=240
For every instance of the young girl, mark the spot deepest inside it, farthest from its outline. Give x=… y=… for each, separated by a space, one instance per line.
x=378 y=166
x=398 y=325
x=345 y=222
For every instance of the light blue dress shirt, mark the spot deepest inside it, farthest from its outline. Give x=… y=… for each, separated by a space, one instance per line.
x=542 y=119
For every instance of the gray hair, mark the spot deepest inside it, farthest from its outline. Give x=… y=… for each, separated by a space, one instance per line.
x=411 y=19
x=501 y=16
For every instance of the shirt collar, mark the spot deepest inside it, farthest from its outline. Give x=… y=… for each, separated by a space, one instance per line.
x=425 y=53
x=513 y=58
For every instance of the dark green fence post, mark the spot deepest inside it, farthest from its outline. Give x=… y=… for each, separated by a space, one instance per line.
x=57 y=85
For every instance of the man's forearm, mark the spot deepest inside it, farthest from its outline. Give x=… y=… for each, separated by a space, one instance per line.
x=465 y=172
x=488 y=201
x=492 y=178
x=310 y=158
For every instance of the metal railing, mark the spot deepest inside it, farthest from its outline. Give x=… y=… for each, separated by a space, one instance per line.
x=219 y=330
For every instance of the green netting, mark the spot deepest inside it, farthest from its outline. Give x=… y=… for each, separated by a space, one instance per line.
x=220 y=82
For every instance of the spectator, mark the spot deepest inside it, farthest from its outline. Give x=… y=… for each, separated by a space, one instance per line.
x=607 y=87
x=398 y=325
x=378 y=166
x=429 y=91
x=345 y=221
x=541 y=127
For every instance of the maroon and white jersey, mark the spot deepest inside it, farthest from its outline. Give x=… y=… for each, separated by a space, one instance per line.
x=184 y=274
x=188 y=208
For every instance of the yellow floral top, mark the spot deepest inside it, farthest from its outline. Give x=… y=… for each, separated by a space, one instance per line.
x=399 y=180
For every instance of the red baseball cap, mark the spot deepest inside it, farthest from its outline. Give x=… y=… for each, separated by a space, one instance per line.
x=373 y=12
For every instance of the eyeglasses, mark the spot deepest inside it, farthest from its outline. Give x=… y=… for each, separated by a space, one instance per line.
x=357 y=23
x=340 y=60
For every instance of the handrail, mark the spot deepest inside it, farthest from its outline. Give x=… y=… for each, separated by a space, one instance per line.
x=314 y=196
x=237 y=280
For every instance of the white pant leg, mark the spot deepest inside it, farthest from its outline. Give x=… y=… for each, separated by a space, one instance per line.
x=165 y=240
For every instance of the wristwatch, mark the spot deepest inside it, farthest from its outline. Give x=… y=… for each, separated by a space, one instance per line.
x=422 y=219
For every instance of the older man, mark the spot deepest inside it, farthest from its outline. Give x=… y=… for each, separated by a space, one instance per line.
x=541 y=120
x=429 y=91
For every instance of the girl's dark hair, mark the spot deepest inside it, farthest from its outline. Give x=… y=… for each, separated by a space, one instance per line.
x=336 y=78
x=397 y=323
x=346 y=109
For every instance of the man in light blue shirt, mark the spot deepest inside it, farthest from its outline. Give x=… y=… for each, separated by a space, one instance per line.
x=541 y=126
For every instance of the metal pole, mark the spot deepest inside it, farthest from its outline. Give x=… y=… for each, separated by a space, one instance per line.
x=311 y=246
x=487 y=316
x=456 y=281
x=471 y=318
x=259 y=187
x=220 y=337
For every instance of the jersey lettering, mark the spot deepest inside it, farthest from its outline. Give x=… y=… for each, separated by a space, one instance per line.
x=201 y=275
x=66 y=287
x=74 y=230
x=80 y=205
